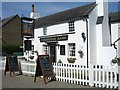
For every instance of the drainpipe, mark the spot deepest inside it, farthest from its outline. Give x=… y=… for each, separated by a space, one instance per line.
x=110 y=31
x=87 y=41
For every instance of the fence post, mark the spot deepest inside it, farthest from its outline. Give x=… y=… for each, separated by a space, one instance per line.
x=91 y=78
x=119 y=75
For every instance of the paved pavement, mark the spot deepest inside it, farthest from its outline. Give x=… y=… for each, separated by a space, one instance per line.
x=22 y=81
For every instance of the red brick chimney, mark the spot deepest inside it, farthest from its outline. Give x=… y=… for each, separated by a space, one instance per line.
x=32 y=7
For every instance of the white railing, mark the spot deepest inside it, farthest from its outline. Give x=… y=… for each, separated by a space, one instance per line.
x=104 y=76
x=95 y=75
x=28 y=68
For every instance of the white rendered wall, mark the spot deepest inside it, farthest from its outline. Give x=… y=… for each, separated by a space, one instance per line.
x=105 y=26
x=80 y=26
x=103 y=11
x=58 y=29
x=100 y=7
x=92 y=36
x=115 y=31
x=37 y=44
x=119 y=40
x=104 y=53
x=99 y=43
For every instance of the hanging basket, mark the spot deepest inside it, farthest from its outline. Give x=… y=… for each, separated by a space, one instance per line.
x=31 y=57
x=71 y=60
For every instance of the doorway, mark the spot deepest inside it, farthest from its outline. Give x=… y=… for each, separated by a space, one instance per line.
x=53 y=53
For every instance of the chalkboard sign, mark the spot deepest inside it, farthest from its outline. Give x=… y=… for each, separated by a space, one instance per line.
x=38 y=70
x=11 y=64
x=46 y=67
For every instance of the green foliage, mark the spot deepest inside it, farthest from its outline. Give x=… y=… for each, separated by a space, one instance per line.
x=10 y=49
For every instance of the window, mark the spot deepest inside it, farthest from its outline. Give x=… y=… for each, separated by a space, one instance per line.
x=45 y=49
x=32 y=49
x=44 y=30
x=71 y=26
x=62 y=49
x=71 y=49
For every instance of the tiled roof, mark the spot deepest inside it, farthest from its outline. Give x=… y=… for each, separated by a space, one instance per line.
x=6 y=20
x=65 y=16
x=113 y=17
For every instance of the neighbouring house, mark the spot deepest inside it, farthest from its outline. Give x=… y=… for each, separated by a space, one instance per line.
x=11 y=34
x=84 y=34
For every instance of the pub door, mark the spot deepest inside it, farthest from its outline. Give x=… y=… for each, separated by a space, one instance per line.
x=53 y=53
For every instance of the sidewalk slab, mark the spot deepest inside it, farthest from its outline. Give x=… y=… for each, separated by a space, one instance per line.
x=24 y=82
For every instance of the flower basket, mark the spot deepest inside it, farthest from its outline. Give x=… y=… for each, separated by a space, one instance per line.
x=31 y=57
x=71 y=60
x=23 y=58
x=81 y=53
x=116 y=60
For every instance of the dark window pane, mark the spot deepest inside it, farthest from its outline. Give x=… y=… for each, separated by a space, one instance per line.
x=62 y=49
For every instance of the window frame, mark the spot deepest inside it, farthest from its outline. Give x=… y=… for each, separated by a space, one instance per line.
x=44 y=30
x=45 y=49
x=62 y=49
x=71 y=49
x=71 y=26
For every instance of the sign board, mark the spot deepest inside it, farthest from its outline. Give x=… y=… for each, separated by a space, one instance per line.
x=46 y=67
x=27 y=28
x=54 y=38
x=38 y=70
x=11 y=64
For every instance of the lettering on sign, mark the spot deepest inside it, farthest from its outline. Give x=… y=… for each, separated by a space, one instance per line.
x=57 y=38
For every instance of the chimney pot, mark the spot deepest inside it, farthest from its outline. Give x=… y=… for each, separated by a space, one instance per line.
x=32 y=7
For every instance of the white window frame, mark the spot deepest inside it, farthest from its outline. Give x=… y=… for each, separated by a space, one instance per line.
x=71 y=26
x=45 y=49
x=71 y=49
x=44 y=30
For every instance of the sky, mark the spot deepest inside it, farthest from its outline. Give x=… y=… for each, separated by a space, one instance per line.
x=44 y=8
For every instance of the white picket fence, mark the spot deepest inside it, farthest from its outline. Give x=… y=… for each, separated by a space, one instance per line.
x=95 y=75
x=28 y=68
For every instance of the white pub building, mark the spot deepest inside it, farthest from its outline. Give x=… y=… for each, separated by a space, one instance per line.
x=84 y=34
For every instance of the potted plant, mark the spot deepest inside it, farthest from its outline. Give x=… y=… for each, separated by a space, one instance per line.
x=81 y=53
x=71 y=60
x=59 y=61
x=31 y=57
x=116 y=60
x=83 y=36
